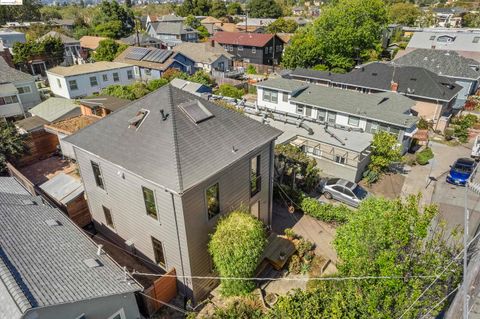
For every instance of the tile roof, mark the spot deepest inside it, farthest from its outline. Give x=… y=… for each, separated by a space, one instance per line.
x=176 y=153
x=54 y=34
x=412 y=81
x=91 y=42
x=387 y=107
x=442 y=62
x=86 y=68
x=202 y=52
x=227 y=27
x=11 y=75
x=55 y=108
x=42 y=265
x=240 y=38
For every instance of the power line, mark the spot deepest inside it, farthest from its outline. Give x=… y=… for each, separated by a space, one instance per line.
x=438 y=276
x=283 y=278
x=440 y=302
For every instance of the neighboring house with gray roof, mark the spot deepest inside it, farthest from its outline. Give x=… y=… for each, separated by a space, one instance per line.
x=464 y=41
x=9 y=37
x=50 y=110
x=191 y=87
x=143 y=40
x=209 y=56
x=434 y=95
x=18 y=92
x=166 y=167
x=332 y=125
x=172 y=33
x=50 y=269
x=72 y=53
x=464 y=71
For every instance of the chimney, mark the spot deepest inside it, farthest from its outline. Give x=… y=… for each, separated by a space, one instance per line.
x=212 y=43
x=99 y=249
x=394 y=86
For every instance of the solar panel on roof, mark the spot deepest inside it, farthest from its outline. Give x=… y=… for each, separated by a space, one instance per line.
x=158 y=56
x=137 y=53
x=196 y=111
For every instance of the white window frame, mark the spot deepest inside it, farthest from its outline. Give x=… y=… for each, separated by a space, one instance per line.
x=353 y=121
x=322 y=118
x=340 y=160
x=117 y=76
x=330 y=116
x=240 y=48
x=105 y=77
x=129 y=74
x=120 y=312
x=93 y=83
x=373 y=128
x=299 y=109
x=28 y=91
x=71 y=86
x=254 y=50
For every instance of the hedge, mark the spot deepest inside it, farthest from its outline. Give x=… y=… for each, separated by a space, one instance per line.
x=324 y=211
x=424 y=156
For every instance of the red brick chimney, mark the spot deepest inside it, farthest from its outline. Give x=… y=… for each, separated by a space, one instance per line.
x=212 y=43
x=394 y=86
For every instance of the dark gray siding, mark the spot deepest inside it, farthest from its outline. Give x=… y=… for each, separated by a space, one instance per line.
x=234 y=192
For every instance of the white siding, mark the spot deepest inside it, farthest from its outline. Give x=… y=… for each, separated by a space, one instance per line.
x=83 y=82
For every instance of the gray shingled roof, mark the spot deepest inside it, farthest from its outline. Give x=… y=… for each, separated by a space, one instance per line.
x=43 y=265
x=462 y=40
x=175 y=153
x=385 y=107
x=64 y=38
x=55 y=108
x=282 y=84
x=202 y=52
x=442 y=62
x=177 y=28
x=413 y=81
x=144 y=38
x=11 y=75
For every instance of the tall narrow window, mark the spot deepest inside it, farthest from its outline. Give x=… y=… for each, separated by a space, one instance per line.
x=73 y=85
x=158 y=252
x=255 y=176
x=97 y=173
x=285 y=97
x=59 y=83
x=116 y=78
x=332 y=117
x=321 y=114
x=129 y=74
x=93 y=81
x=105 y=77
x=108 y=217
x=213 y=201
x=149 y=199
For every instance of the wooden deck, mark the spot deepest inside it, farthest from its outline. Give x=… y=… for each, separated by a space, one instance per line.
x=276 y=245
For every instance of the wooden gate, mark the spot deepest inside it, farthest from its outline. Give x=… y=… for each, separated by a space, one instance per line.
x=164 y=289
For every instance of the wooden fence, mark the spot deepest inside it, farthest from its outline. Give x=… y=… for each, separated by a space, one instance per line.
x=164 y=289
x=40 y=145
x=29 y=186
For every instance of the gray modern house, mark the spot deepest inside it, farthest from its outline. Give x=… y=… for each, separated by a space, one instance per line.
x=166 y=167
x=49 y=269
x=464 y=71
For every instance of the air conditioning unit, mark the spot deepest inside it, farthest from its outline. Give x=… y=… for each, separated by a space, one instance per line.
x=130 y=246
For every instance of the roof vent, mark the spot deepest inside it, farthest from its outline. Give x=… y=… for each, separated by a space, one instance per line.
x=138 y=119
x=92 y=263
x=410 y=91
x=52 y=222
x=413 y=79
x=196 y=111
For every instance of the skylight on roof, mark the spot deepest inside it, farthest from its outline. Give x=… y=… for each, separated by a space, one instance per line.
x=195 y=111
x=138 y=119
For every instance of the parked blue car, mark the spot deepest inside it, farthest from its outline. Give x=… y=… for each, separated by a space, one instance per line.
x=460 y=171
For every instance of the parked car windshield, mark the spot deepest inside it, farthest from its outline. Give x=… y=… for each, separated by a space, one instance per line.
x=462 y=168
x=360 y=192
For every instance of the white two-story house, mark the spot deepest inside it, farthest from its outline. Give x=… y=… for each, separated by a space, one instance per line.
x=86 y=79
x=334 y=126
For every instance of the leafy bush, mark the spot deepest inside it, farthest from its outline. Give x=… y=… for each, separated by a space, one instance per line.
x=289 y=233
x=338 y=70
x=448 y=133
x=153 y=85
x=422 y=124
x=424 y=156
x=295 y=264
x=321 y=67
x=236 y=247
x=371 y=176
x=251 y=69
x=325 y=212
x=230 y=91
x=12 y=144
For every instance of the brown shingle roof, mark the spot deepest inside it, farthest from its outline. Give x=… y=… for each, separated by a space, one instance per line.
x=237 y=38
x=90 y=42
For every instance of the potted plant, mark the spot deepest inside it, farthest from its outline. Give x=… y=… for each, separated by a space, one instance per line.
x=289 y=233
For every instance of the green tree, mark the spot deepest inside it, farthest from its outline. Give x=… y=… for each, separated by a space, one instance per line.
x=230 y=91
x=112 y=20
x=403 y=13
x=49 y=13
x=471 y=20
x=218 y=9
x=345 y=29
x=282 y=25
x=236 y=247
x=426 y=19
x=171 y=74
x=28 y=11
x=388 y=238
x=12 y=144
x=234 y=8
x=203 y=32
x=153 y=85
x=51 y=48
x=192 y=21
x=264 y=9
x=294 y=167
x=202 y=77
x=108 y=50
x=385 y=151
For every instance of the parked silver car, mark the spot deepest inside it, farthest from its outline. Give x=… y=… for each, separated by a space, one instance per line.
x=342 y=190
